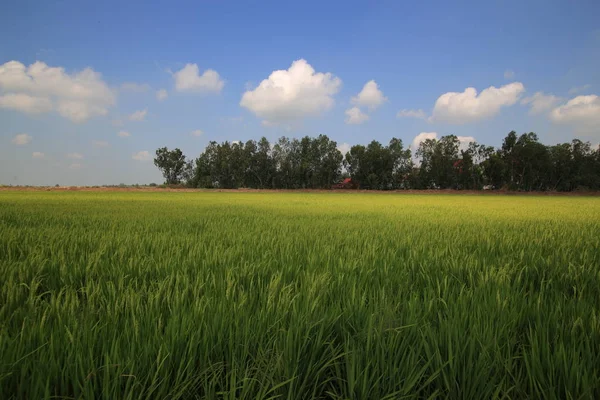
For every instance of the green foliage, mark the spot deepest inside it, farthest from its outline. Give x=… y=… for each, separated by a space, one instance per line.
x=522 y=163
x=172 y=164
x=295 y=296
x=289 y=164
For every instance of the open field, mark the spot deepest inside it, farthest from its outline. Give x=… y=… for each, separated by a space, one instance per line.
x=122 y=295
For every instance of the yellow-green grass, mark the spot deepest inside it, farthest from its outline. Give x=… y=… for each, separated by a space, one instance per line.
x=121 y=295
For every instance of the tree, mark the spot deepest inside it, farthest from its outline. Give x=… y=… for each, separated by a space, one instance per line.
x=171 y=164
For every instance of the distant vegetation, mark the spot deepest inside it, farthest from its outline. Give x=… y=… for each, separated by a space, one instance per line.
x=522 y=163
x=119 y=295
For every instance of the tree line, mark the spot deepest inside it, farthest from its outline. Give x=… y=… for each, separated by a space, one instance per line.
x=522 y=163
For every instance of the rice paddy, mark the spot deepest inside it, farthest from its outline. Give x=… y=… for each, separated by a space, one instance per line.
x=145 y=295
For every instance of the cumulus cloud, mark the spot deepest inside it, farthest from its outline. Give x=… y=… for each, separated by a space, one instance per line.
x=292 y=94
x=188 y=79
x=355 y=117
x=161 y=94
x=75 y=166
x=406 y=113
x=75 y=156
x=41 y=88
x=421 y=137
x=509 y=74
x=579 y=89
x=464 y=142
x=139 y=115
x=344 y=148
x=584 y=110
x=135 y=87
x=123 y=134
x=197 y=132
x=21 y=139
x=37 y=155
x=25 y=103
x=468 y=106
x=370 y=96
x=141 y=156
x=99 y=143
x=541 y=102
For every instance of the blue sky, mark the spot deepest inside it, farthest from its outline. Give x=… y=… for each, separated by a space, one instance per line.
x=99 y=63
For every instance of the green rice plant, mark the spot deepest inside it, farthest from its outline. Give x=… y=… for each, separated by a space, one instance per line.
x=175 y=295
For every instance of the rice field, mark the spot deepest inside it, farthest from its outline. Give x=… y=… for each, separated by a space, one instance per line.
x=145 y=295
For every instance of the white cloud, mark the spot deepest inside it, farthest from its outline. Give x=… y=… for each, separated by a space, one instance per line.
x=197 y=132
x=25 y=103
x=99 y=143
x=141 y=156
x=75 y=166
x=292 y=94
x=139 y=115
x=421 y=137
x=78 y=96
x=541 y=102
x=189 y=79
x=161 y=94
x=344 y=148
x=355 y=117
x=78 y=111
x=370 y=96
x=467 y=106
x=584 y=110
x=123 y=134
x=464 y=142
x=578 y=89
x=406 y=113
x=75 y=156
x=509 y=74
x=21 y=139
x=135 y=87
x=37 y=155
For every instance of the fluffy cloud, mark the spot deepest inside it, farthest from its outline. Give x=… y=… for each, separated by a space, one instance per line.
x=406 y=113
x=579 y=89
x=99 y=143
x=25 y=103
x=468 y=106
x=509 y=74
x=75 y=156
x=344 y=148
x=135 y=87
x=370 y=96
x=464 y=142
x=21 y=139
x=355 y=117
x=37 y=155
x=421 y=137
x=584 y=110
x=292 y=94
x=541 y=102
x=161 y=94
x=41 y=88
x=141 y=156
x=188 y=79
x=139 y=115
x=123 y=134
x=197 y=132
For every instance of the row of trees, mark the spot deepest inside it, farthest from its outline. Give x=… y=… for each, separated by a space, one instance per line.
x=522 y=163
